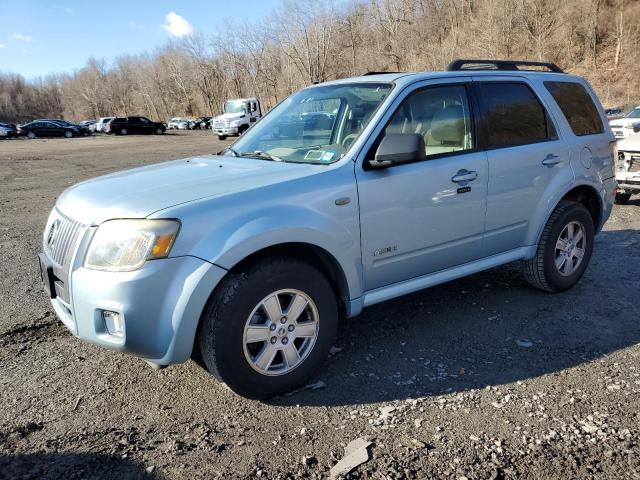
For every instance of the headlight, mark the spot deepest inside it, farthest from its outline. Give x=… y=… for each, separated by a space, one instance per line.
x=124 y=245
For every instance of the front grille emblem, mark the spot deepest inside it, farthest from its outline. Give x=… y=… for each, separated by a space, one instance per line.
x=53 y=231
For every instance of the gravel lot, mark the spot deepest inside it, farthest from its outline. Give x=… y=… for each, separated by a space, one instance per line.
x=478 y=378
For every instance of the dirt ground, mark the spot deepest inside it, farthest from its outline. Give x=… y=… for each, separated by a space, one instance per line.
x=481 y=378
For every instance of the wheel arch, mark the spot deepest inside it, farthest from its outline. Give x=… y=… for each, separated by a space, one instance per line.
x=589 y=197
x=317 y=256
x=583 y=193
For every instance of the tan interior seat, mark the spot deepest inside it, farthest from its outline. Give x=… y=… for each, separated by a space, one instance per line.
x=447 y=131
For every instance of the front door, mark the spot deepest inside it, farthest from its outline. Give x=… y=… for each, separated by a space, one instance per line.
x=425 y=216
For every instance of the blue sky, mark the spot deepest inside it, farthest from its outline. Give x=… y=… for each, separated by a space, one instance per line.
x=43 y=36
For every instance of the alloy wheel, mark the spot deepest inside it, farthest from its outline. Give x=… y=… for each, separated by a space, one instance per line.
x=570 y=248
x=280 y=332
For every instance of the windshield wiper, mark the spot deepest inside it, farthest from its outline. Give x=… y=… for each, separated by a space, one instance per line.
x=229 y=149
x=261 y=154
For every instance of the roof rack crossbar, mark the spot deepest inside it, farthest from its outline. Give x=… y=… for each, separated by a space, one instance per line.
x=468 y=64
x=378 y=73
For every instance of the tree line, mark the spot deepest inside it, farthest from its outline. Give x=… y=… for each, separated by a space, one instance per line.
x=303 y=42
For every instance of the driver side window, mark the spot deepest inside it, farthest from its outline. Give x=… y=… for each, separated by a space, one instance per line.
x=441 y=115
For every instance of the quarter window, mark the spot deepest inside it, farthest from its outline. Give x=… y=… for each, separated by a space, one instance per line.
x=441 y=115
x=577 y=106
x=513 y=115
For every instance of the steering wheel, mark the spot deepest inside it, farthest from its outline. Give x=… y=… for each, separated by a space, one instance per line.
x=348 y=140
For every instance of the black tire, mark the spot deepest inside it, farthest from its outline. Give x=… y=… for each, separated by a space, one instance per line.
x=222 y=137
x=243 y=129
x=31 y=135
x=68 y=134
x=622 y=198
x=541 y=271
x=123 y=131
x=220 y=335
x=159 y=131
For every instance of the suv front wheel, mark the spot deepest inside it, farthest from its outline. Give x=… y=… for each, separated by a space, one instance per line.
x=268 y=327
x=564 y=249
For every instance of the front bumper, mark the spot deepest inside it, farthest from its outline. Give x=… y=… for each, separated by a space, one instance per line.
x=629 y=182
x=622 y=132
x=161 y=305
x=226 y=130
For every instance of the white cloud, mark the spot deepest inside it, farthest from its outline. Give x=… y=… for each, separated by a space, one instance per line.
x=21 y=37
x=132 y=23
x=69 y=10
x=1 y=45
x=177 y=26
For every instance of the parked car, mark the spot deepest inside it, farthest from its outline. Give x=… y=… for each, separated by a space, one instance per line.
x=102 y=121
x=43 y=128
x=128 y=125
x=613 y=113
x=628 y=168
x=8 y=130
x=174 y=123
x=89 y=124
x=238 y=116
x=247 y=260
x=82 y=130
x=627 y=125
x=201 y=123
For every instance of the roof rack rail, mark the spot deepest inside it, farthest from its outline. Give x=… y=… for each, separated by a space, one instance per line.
x=467 y=64
x=378 y=73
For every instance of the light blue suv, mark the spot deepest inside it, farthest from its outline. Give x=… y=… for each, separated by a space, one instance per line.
x=348 y=193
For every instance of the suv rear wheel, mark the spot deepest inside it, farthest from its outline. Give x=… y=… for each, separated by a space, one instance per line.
x=564 y=249
x=123 y=131
x=268 y=327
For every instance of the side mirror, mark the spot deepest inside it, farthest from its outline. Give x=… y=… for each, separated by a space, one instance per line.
x=636 y=128
x=399 y=148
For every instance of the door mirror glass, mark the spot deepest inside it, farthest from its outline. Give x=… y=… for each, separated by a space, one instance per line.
x=399 y=148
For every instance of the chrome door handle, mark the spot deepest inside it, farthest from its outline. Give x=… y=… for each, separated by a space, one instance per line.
x=551 y=160
x=464 y=176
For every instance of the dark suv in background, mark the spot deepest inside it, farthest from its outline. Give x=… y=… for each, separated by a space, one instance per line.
x=127 y=125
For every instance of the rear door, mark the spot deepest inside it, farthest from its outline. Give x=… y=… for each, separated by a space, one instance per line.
x=49 y=129
x=588 y=136
x=134 y=125
x=145 y=125
x=525 y=154
x=418 y=218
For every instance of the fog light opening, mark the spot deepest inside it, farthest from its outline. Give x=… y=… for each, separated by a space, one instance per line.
x=114 y=323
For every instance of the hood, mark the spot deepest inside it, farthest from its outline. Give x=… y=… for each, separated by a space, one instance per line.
x=142 y=191
x=623 y=122
x=631 y=143
x=230 y=116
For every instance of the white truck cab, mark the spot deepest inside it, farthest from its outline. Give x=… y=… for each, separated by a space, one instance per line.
x=238 y=115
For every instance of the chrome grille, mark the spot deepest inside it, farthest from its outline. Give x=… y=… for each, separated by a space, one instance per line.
x=221 y=123
x=60 y=237
x=634 y=164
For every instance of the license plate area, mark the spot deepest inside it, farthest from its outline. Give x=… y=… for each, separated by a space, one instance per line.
x=47 y=276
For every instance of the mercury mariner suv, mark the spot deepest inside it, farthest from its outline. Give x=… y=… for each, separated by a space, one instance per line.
x=347 y=194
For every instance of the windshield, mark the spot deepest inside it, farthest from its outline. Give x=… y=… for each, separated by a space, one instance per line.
x=634 y=113
x=315 y=125
x=235 y=106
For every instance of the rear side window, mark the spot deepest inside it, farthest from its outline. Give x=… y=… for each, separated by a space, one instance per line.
x=513 y=115
x=577 y=106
